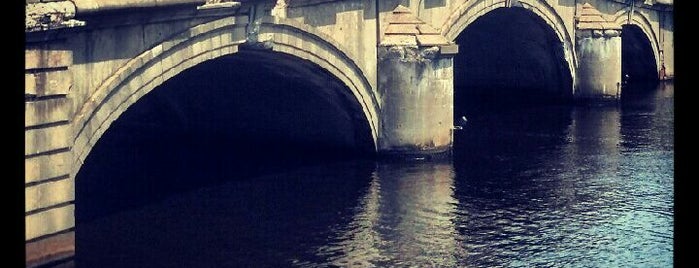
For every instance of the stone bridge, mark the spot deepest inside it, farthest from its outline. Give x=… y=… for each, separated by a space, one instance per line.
x=390 y=65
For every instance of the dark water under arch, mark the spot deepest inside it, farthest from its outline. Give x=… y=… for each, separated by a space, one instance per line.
x=509 y=57
x=586 y=185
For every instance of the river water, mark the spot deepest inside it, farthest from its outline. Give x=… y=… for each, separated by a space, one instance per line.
x=587 y=185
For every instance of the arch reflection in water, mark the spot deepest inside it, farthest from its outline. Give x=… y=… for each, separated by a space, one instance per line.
x=583 y=186
x=406 y=217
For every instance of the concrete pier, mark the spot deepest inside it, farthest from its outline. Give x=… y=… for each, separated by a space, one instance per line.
x=598 y=46
x=416 y=86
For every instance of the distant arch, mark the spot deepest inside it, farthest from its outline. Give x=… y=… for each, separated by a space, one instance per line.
x=469 y=11
x=637 y=18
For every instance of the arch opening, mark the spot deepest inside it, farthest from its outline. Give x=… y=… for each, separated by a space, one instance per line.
x=638 y=63
x=509 y=57
x=237 y=116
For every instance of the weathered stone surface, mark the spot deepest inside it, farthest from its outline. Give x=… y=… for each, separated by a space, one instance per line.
x=48 y=194
x=591 y=19
x=46 y=139
x=49 y=221
x=431 y=40
x=52 y=248
x=38 y=58
x=399 y=40
x=599 y=67
x=217 y=4
x=50 y=83
x=597 y=33
x=44 y=167
x=405 y=29
x=416 y=115
x=430 y=53
x=449 y=49
x=403 y=15
x=408 y=29
x=427 y=29
x=46 y=111
x=612 y=33
x=50 y=15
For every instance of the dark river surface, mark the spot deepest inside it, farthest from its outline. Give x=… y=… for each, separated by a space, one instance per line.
x=587 y=185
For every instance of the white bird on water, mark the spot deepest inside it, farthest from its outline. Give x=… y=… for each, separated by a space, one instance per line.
x=461 y=123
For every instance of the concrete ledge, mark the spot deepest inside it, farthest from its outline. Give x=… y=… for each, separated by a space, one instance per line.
x=449 y=49
x=92 y=6
x=410 y=153
x=50 y=249
x=218 y=5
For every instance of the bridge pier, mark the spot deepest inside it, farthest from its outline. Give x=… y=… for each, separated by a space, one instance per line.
x=415 y=64
x=598 y=46
x=417 y=97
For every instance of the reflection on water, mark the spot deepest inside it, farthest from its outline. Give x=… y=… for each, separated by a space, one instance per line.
x=590 y=186
x=407 y=217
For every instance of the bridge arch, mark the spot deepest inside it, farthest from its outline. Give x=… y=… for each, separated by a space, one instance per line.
x=641 y=21
x=205 y=42
x=470 y=11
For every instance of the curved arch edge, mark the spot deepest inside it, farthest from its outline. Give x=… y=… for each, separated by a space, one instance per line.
x=200 y=43
x=137 y=79
x=470 y=11
x=294 y=38
x=638 y=19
